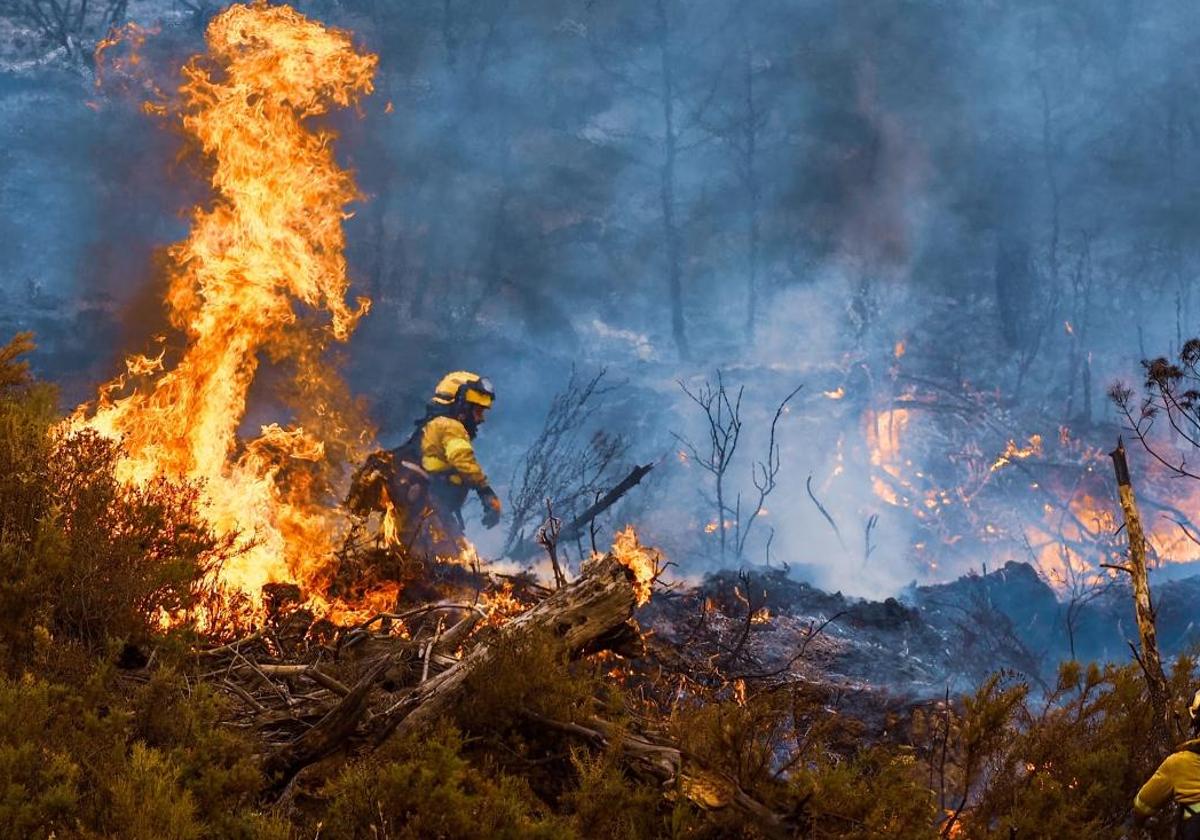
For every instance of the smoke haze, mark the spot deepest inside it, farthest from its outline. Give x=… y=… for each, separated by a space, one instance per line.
x=953 y=223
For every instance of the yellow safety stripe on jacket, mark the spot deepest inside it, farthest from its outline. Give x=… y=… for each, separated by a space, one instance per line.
x=1177 y=777
x=446 y=448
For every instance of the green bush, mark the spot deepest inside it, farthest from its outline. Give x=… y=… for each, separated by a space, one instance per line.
x=606 y=804
x=422 y=786
x=92 y=760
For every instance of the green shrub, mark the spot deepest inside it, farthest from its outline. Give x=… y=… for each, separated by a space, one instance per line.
x=422 y=786
x=606 y=804
x=94 y=760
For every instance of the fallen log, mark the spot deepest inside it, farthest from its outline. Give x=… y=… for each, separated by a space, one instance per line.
x=330 y=733
x=575 y=617
x=584 y=616
x=674 y=769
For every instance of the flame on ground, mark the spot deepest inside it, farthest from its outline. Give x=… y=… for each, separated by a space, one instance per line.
x=271 y=238
x=643 y=562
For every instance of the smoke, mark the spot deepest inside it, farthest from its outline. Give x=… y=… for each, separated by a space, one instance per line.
x=979 y=214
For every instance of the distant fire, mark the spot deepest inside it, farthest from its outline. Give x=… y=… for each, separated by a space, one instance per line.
x=269 y=240
x=1049 y=500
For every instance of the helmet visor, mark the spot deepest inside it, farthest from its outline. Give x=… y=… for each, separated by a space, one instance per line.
x=480 y=393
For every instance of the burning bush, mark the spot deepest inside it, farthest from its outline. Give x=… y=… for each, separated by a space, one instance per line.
x=84 y=558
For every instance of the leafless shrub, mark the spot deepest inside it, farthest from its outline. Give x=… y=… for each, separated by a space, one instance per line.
x=569 y=462
x=723 y=414
x=74 y=25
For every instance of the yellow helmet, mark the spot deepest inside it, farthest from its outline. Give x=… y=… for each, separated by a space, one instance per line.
x=464 y=386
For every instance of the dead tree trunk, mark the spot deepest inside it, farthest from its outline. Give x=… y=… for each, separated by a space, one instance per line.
x=578 y=616
x=667 y=186
x=1149 y=658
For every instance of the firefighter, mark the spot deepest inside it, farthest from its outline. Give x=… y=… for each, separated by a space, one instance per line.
x=1178 y=778
x=442 y=442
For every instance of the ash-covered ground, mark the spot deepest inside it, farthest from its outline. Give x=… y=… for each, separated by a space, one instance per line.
x=930 y=640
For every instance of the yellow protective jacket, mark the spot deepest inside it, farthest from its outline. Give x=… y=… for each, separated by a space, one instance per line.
x=1178 y=776
x=446 y=451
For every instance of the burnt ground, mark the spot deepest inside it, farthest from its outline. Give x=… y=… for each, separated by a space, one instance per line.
x=905 y=650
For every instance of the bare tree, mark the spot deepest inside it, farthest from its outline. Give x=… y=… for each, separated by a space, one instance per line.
x=740 y=128
x=764 y=475
x=1081 y=587
x=723 y=414
x=724 y=418
x=682 y=107
x=73 y=25
x=568 y=464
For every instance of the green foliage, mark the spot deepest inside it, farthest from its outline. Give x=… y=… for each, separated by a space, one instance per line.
x=607 y=804
x=422 y=786
x=526 y=676
x=783 y=748
x=14 y=371
x=876 y=793
x=92 y=761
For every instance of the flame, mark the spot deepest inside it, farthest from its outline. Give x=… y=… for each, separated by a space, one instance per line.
x=271 y=238
x=1013 y=452
x=712 y=526
x=761 y=616
x=835 y=394
x=884 y=429
x=640 y=560
x=898 y=350
x=501 y=604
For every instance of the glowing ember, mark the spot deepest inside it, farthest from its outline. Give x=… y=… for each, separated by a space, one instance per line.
x=271 y=237
x=1013 y=452
x=835 y=394
x=640 y=560
x=761 y=616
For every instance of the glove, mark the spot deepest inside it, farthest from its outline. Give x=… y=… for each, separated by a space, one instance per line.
x=491 y=506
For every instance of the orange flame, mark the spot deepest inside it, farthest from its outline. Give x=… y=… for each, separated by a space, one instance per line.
x=1013 y=452
x=270 y=238
x=640 y=560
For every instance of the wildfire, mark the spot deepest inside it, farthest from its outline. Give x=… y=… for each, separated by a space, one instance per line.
x=270 y=238
x=640 y=560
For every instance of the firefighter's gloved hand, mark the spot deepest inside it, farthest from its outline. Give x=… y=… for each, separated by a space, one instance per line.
x=491 y=507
